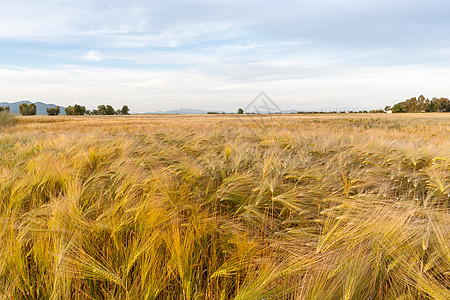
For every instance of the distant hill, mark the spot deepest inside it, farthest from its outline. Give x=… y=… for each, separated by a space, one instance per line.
x=193 y=111
x=41 y=108
x=185 y=111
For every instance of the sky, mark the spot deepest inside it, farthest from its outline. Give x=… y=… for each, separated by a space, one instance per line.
x=219 y=55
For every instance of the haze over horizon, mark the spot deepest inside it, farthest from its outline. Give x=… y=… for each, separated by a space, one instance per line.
x=218 y=55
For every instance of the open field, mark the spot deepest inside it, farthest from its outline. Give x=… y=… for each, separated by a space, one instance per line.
x=226 y=207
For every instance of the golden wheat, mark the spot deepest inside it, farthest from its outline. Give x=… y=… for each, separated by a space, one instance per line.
x=218 y=207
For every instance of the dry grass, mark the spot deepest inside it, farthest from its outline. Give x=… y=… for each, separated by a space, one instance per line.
x=216 y=207
x=6 y=119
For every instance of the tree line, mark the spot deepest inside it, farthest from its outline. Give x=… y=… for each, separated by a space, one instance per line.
x=101 y=110
x=75 y=110
x=420 y=104
x=412 y=105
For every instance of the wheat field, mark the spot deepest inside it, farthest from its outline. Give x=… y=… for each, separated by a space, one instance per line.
x=226 y=207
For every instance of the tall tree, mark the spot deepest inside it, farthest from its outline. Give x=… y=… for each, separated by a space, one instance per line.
x=420 y=104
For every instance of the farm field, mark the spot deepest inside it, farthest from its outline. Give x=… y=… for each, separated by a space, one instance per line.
x=226 y=207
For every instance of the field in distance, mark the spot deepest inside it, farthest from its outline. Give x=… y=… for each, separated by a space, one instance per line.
x=226 y=207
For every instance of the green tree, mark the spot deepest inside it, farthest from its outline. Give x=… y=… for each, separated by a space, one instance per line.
x=421 y=104
x=53 y=111
x=240 y=111
x=125 y=110
x=397 y=108
x=101 y=110
x=79 y=110
x=109 y=110
x=105 y=110
x=69 y=110
x=27 y=109
x=441 y=104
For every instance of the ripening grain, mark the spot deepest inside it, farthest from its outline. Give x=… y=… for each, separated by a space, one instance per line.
x=218 y=207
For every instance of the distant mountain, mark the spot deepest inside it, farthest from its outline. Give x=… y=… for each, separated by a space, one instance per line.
x=290 y=111
x=184 y=111
x=41 y=108
x=193 y=111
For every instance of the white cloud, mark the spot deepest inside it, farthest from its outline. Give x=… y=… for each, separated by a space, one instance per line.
x=229 y=87
x=93 y=56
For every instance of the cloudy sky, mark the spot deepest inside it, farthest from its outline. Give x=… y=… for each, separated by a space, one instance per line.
x=218 y=55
